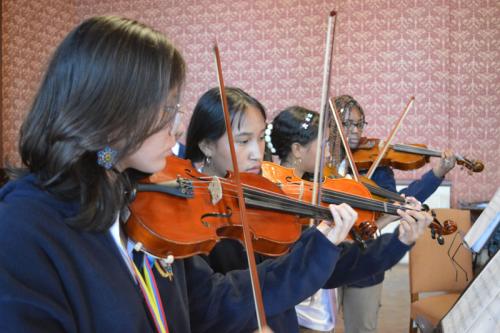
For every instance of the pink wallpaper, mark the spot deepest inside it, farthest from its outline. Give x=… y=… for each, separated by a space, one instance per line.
x=30 y=32
x=445 y=53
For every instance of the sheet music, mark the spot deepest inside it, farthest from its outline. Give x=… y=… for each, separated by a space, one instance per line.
x=484 y=225
x=478 y=309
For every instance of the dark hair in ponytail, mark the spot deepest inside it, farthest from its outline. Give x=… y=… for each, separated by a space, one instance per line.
x=293 y=124
x=207 y=121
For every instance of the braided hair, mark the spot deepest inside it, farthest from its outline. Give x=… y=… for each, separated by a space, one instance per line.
x=344 y=105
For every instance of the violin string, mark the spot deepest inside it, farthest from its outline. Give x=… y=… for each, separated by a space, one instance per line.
x=299 y=207
x=338 y=197
x=359 y=202
x=415 y=150
x=342 y=197
x=390 y=209
x=276 y=199
x=385 y=193
x=373 y=189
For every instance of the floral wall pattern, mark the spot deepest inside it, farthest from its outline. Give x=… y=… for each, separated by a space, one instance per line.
x=30 y=32
x=445 y=53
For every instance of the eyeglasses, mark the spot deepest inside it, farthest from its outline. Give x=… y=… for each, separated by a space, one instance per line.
x=172 y=109
x=175 y=116
x=349 y=124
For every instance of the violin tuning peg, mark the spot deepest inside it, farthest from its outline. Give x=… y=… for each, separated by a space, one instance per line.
x=170 y=259
x=138 y=247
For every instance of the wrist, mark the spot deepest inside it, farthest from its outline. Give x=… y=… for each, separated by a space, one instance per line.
x=406 y=241
x=438 y=172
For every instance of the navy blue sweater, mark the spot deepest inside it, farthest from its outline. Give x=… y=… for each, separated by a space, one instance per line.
x=353 y=265
x=421 y=189
x=54 y=278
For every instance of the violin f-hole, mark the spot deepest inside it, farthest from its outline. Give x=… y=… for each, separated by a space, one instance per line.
x=216 y=215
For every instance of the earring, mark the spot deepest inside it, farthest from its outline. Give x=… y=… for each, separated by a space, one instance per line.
x=208 y=160
x=107 y=157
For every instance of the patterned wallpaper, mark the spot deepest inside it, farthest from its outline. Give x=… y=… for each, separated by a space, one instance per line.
x=30 y=32
x=445 y=53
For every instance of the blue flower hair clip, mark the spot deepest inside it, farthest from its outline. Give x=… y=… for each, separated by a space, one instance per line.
x=106 y=157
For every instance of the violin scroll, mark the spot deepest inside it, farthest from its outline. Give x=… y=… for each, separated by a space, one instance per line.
x=439 y=229
x=404 y=157
x=472 y=165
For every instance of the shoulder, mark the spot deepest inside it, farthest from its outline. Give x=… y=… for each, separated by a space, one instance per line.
x=26 y=211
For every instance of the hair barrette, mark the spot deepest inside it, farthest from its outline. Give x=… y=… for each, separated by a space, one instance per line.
x=307 y=121
x=267 y=138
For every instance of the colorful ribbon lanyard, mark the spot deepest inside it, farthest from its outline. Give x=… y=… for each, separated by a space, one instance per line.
x=151 y=295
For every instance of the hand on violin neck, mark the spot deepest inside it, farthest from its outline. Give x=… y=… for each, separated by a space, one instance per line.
x=343 y=220
x=413 y=225
x=446 y=164
x=413 y=203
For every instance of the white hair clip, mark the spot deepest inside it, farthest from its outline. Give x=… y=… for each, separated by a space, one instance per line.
x=267 y=138
x=307 y=121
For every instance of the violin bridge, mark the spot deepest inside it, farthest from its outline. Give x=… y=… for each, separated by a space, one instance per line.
x=215 y=190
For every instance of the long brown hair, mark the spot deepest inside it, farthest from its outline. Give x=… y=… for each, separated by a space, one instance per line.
x=104 y=86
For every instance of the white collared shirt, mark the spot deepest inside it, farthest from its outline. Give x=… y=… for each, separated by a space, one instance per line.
x=318 y=311
x=125 y=246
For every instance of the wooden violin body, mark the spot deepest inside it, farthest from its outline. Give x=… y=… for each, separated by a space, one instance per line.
x=437 y=228
x=186 y=213
x=363 y=229
x=368 y=151
x=376 y=191
x=404 y=157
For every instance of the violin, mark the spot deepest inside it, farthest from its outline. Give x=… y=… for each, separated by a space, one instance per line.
x=404 y=157
x=333 y=191
x=377 y=192
x=336 y=191
x=182 y=212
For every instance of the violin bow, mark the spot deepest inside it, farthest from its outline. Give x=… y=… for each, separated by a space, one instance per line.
x=318 y=165
x=247 y=236
x=347 y=149
x=387 y=144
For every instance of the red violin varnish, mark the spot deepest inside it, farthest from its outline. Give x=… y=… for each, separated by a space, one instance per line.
x=182 y=212
x=404 y=157
x=332 y=191
x=335 y=191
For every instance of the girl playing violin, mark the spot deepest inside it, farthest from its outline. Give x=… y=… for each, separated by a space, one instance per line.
x=108 y=105
x=293 y=137
x=361 y=301
x=207 y=144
